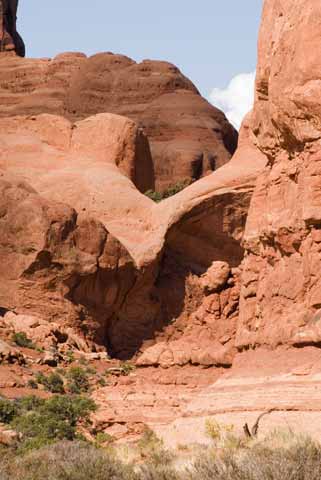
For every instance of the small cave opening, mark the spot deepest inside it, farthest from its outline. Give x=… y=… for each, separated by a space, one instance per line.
x=3 y=311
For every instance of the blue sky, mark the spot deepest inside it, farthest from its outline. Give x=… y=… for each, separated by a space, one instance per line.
x=211 y=41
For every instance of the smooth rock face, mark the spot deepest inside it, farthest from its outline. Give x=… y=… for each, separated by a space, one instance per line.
x=281 y=284
x=106 y=138
x=189 y=138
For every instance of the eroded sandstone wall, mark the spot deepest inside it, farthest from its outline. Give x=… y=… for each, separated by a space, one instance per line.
x=281 y=282
x=118 y=268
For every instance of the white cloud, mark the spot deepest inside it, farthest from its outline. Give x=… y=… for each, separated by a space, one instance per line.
x=237 y=99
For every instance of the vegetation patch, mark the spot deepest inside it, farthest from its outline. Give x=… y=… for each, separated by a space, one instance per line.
x=67 y=461
x=168 y=192
x=78 y=380
x=21 y=340
x=51 y=450
x=44 y=421
x=53 y=383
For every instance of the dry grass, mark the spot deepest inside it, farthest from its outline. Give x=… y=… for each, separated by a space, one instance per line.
x=67 y=461
x=281 y=456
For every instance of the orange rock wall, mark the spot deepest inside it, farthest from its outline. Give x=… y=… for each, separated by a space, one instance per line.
x=281 y=283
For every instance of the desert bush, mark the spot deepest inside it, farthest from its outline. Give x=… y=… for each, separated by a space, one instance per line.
x=176 y=188
x=223 y=435
x=159 y=472
x=102 y=382
x=29 y=403
x=8 y=410
x=70 y=357
x=53 y=382
x=42 y=422
x=213 y=430
x=168 y=192
x=275 y=458
x=298 y=460
x=104 y=438
x=32 y=384
x=152 y=449
x=21 y=339
x=78 y=380
x=155 y=196
x=67 y=461
x=127 y=368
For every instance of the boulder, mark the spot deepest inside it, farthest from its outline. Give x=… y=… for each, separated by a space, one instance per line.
x=189 y=350
x=215 y=277
x=8 y=437
x=9 y=354
x=51 y=358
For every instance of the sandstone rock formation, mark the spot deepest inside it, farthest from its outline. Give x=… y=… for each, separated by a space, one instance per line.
x=225 y=274
x=189 y=138
x=9 y=354
x=281 y=286
x=10 y=39
x=279 y=304
x=113 y=263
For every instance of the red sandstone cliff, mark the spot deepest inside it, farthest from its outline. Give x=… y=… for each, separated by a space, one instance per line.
x=202 y=225
x=281 y=292
x=189 y=138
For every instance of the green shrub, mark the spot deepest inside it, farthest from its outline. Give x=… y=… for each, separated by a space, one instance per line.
x=53 y=382
x=78 y=380
x=126 y=368
x=29 y=403
x=42 y=422
x=71 y=408
x=91 y=370
x=32 y=384
x=155 y=196
x=8 y=410
x=102 y=382
x=21 y=339
x=103 y=437
x=152 y=449
x=83 y=361
x=70 y=356
x=176 y=188
x=169 y=192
